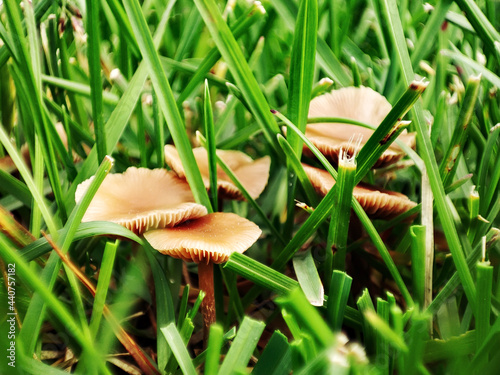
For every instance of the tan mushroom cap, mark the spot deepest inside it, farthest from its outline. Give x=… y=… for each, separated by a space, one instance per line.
x=211 y=238
x=377 y=203
x=358 y=103
x=141 y=199
x=253 y=174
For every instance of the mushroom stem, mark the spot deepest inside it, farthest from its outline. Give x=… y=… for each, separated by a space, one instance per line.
x=206 y=283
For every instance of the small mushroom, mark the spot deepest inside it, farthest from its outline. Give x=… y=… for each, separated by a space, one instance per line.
x=141 y=199
x=377 y=203
x=357 y=103
x=207 y=240
x=253 y=174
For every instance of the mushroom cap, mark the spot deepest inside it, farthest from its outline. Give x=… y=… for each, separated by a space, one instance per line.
x=377 y=203
x=253 y=175
x=211 y=238
x=141 y=199
x=358 y=103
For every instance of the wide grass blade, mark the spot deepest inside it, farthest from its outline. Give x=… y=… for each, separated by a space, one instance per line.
x=338 y=296
x=179 y=349
x=308 y=277
x=242 y=347
x=276 y=359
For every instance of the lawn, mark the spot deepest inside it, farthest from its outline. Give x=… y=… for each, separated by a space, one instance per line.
x=275 y=187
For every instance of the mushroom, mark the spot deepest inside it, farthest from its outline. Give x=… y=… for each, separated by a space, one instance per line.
x=361 y=104
x=207 y=240
x=377 y=203
x=141 y=199
x=253 y=174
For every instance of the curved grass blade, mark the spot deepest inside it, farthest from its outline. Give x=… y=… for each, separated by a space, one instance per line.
x=260 y=273
x=245 y=80
x=242 y=24
x=60 y=311
x=38 y=197
x=242 y=347
x=394 y=27
x=210 y=136
x=35 y=313
x=94 y=58
x=308 y=277
x=302 y=66
x=166 y=101
x=84 y=230
x=179 y=349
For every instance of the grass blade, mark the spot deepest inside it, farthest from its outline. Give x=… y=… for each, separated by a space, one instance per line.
x=166 y=101
x=240 y=70
x=242 y=347
x=308 y=277
x=179 y=349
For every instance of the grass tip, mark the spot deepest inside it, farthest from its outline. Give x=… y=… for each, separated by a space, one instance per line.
x=259 y=7
x=497 y=126
x=115 y=74
x=428 y=8
x=325 y=81
x=475 y=78
x=419 y=84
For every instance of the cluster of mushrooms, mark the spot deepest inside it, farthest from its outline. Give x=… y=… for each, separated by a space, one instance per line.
x=159 y=204
x=366 y=106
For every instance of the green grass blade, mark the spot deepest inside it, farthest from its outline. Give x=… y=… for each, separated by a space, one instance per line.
x=393 y=25
x=381 y=328
x=294 y=161
x=35 y=313
x=449 y=163
x=79 y=88
x=299 y=89
x=239 y=68
x=179 y=349
x=276 y=359
x=308 y=277
x=94 y=57
x=38 y=197
x=24 y=272
x=339 y=223
x=302 y=69
x=105 y=272
x=326 y=58
x=166 y=100
x=420 y=283
x=260 y=274
x=388 y=130
x=84 y=230
x=307 y=316
x=215 y=341
x=365 y=305
x=484 y=289
x=242 y=347
x=242 y=24
x=340 y=287
x=486 y=31
x=210 y=137
x=164 y=307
